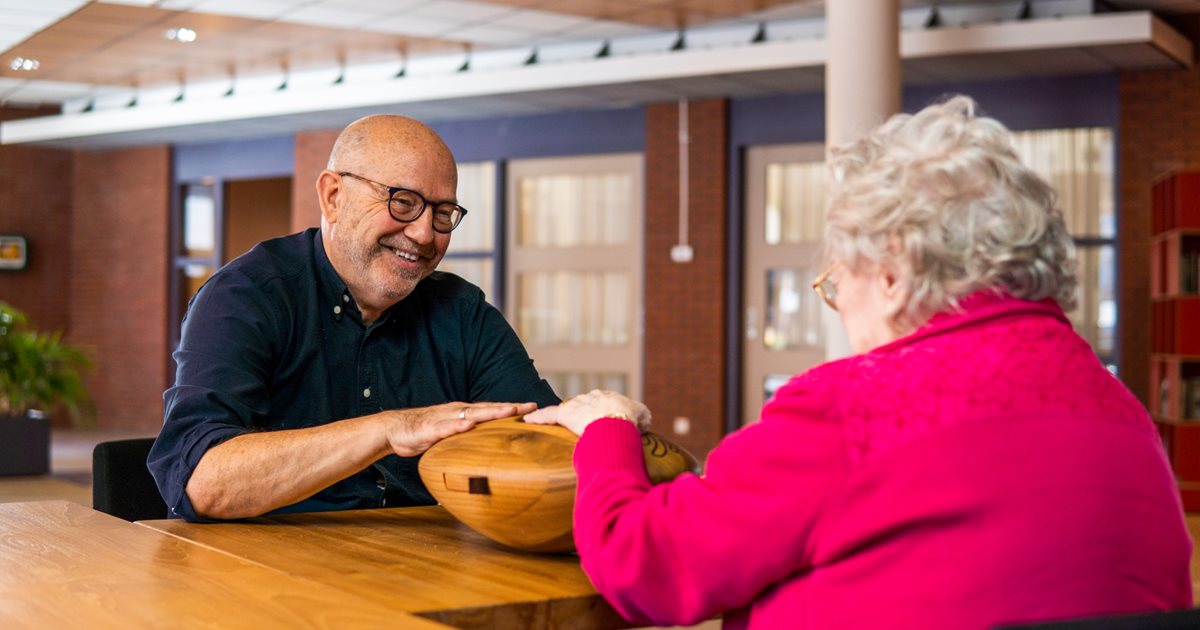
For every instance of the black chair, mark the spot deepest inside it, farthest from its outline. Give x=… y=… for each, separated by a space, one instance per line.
x=1172 y=620
x=121 y=483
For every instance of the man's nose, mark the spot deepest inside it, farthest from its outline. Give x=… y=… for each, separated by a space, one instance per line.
x=421 y=230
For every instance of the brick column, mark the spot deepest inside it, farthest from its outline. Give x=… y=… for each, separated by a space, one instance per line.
x=119 y=262
x=311 y=149
x=685 y=302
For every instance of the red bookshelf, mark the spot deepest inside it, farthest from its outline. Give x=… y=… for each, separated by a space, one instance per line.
x=1175 y=326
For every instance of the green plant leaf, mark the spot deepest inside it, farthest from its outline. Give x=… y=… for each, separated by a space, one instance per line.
x=40 y=370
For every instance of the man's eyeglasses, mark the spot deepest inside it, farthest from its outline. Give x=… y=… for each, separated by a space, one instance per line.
x=407 y=206
x=825 y=287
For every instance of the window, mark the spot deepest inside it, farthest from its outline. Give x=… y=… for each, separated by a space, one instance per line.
x=574 y=278
x=472 y=252
x=1079 y=164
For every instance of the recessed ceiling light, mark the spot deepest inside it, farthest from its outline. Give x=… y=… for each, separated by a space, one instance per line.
x=182 y=34
x=23 y=64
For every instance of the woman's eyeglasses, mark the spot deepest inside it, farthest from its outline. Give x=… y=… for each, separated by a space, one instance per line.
x=825 y=287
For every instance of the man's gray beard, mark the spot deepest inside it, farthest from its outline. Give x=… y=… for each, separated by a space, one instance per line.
x=361 y=258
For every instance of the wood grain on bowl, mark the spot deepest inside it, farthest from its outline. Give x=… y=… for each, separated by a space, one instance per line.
x=514 y=483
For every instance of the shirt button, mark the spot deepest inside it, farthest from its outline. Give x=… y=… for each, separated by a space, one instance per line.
x=337 y=310
x=345 y=299
x=367 y=393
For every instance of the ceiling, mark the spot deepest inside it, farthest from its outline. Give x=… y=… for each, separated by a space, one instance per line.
x=258 y=67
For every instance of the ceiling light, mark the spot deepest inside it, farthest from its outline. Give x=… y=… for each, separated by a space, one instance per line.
x=21 y=63
x=183 y=34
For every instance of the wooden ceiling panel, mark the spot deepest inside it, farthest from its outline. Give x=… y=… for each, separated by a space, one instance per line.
x=523 y=4
x=206 y=25
x=176 y=74
x=44 y=54
x=284 y=36
x=115 y=43
x=665 y=17
x=594 y=9
x=111 y=44
x=118 y=44
x=724 y=8
x=64 y=41
x=145 y=47
x=655 y=13
x=261 y=67
x=101 y=14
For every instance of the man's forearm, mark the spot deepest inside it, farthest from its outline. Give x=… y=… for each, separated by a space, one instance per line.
x=255 y=473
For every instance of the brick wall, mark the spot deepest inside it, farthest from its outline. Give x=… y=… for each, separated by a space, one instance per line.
x=35 y=202
x=685 y=303
x=118 y=297
x=1160 y=133
x=312 y=153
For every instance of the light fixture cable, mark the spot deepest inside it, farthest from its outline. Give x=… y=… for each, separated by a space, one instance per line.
x=682 y=252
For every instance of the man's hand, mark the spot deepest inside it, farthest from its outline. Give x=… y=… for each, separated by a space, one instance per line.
x=412 y=431
x=579 y=412
x=257 y=472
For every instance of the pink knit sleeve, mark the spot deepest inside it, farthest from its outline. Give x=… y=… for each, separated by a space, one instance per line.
x=680 y=552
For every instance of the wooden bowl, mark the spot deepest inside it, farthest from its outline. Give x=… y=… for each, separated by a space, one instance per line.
x=514 y=483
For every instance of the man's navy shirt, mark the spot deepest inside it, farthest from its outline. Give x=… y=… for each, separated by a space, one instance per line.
x=274 y=340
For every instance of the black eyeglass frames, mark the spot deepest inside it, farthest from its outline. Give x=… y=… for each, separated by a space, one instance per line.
x=407 y=206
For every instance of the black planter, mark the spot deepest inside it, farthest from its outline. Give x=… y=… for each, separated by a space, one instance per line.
x=24 y=445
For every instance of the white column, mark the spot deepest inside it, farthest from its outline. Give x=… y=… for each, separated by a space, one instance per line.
x=862 y=68
x=862 y=89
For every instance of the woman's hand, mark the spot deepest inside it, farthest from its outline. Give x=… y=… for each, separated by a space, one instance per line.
x=577 y=413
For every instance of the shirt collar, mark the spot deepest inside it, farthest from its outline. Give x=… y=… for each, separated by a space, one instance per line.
x=333 y=291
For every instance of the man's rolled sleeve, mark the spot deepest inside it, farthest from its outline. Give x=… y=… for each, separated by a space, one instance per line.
x=190 y=429
x=221 y=384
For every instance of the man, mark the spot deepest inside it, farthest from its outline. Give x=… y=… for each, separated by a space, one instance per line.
x=314 y=370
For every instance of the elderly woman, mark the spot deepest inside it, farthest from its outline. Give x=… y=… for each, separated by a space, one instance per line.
x=973 y=464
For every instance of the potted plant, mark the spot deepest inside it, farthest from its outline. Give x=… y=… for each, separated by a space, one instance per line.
x=38 y=372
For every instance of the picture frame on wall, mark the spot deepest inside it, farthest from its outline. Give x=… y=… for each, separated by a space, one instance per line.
x=14 y=252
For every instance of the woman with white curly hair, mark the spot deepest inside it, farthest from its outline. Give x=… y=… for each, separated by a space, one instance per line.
x=973 y=464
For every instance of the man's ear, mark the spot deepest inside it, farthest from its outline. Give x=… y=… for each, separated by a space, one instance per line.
x=329 y=195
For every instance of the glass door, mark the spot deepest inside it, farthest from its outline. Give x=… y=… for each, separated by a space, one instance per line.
x=784 y=321
x=197 y=250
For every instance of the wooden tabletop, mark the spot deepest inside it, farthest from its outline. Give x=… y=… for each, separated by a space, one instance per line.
x=416 y=560
x=64 y=565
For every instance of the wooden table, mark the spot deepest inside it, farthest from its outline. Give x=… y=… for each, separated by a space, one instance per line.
x=415 y=560
x=63 y=565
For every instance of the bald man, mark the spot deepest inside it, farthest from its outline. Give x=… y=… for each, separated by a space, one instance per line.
x=314 y=370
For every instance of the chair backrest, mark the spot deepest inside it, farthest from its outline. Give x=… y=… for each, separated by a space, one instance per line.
x=121 y=483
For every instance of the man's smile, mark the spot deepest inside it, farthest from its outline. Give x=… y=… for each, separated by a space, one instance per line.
x=406 y=255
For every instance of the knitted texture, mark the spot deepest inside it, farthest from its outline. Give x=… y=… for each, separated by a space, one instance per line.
x=984 y=470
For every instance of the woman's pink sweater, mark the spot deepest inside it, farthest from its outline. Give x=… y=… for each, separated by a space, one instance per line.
x=986 y=469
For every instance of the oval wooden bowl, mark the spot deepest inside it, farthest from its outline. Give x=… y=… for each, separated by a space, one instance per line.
x=514 y=483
